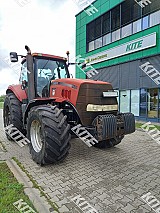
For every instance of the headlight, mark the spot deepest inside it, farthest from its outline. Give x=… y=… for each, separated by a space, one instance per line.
x=95 y=108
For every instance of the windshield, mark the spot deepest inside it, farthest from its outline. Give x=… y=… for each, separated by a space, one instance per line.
x=47 y=70
x=51 y=69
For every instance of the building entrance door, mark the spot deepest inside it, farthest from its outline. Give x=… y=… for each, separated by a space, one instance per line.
x=152 y=103
x=125 y=101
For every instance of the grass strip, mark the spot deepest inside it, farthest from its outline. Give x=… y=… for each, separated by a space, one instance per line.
x=10 y=191
x=35 y=185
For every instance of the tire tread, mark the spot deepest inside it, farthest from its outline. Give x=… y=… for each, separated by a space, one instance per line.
x=56 y=145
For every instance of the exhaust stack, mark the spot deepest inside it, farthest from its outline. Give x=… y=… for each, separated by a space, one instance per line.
x=31 y=77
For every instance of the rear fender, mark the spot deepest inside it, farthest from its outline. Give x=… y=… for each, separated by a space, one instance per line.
x=17 y=90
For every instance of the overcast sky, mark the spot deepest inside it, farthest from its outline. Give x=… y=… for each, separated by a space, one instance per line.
x=46 y=26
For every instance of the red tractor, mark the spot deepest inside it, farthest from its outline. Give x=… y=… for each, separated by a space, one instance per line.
x=47 y=103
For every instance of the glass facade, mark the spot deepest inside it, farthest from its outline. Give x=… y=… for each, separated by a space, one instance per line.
x=119 y=26
x=141 y=102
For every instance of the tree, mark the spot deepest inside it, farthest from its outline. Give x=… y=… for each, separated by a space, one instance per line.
x=2 y=97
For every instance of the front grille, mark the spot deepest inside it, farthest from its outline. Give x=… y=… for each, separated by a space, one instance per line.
x=93 y=94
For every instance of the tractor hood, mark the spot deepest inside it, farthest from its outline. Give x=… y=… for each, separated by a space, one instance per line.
x=70 y=82
x=69 y=88
x=86 y=95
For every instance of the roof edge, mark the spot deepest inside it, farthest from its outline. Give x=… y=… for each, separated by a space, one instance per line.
x=85 y=8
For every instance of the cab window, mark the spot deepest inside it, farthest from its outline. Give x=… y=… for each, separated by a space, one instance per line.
x=24 y=73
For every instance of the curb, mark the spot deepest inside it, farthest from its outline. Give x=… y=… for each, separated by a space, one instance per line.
x=139 y=129
x=39 y=202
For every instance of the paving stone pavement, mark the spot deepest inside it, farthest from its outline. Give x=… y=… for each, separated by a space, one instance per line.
x=111 y=180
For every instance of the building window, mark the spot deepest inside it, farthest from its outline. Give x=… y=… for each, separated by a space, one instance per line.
x=129 y=16
x=137 y=26
x=91 y=46
x=143 y=102
x=145 y=22
x=98 y=27
x=125 y=101
x=98 y=43
x=116 y=35
x=115 y=14
x=135 y=102
x=107 y=39
x=154 y=6
x=91 y=32
x=130 y=11
x=106 y=23
x=126 y=11
x=127 y=30
x=136 y=11
x=155 y=18
x=152 y=103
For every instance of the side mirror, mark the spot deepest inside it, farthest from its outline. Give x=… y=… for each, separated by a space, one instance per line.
x=13 y=57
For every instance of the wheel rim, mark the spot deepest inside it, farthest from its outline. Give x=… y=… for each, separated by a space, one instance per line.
x=36 y=136
x=7 y=117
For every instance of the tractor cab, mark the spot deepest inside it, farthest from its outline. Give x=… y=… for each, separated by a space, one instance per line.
x=46 y=68
x=40 y=69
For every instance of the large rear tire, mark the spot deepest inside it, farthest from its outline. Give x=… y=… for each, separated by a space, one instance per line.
x=109 y=143
x=48 y=132
x=12 y=113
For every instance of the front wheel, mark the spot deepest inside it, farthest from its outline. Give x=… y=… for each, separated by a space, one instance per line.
x=48 y=133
